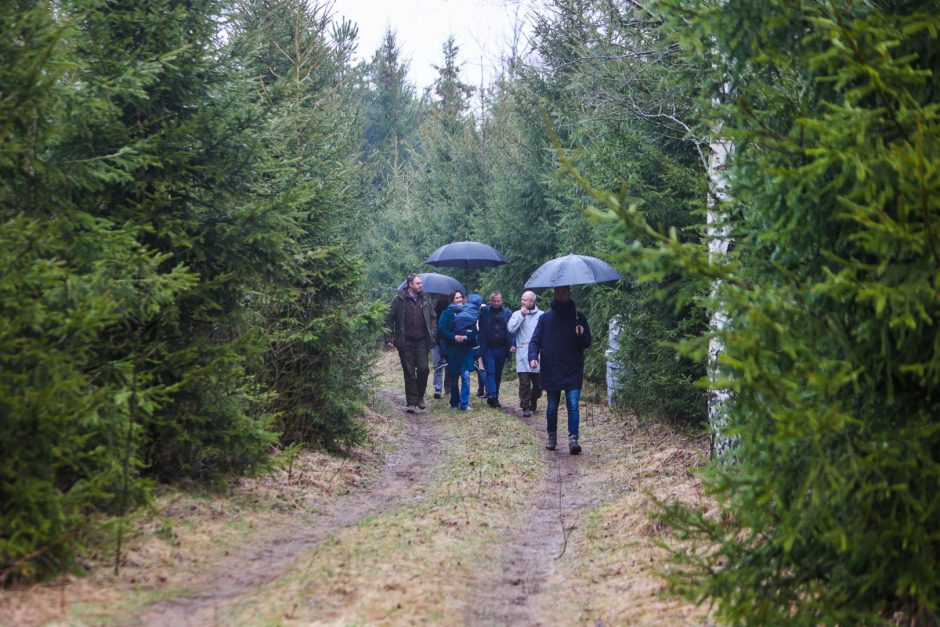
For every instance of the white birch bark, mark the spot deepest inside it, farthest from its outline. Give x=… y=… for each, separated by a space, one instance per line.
x=719 y=243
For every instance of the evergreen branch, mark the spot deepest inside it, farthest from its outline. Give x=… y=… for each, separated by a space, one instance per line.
x=860 y=58
x=922 y=189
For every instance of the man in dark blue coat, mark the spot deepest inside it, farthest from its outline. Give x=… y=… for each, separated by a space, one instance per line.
x=495 y=345
x=557 y=347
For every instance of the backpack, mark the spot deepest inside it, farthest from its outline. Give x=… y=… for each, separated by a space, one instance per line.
x=496 y=334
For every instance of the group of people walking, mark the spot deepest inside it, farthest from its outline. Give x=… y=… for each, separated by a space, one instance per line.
x=464 y=336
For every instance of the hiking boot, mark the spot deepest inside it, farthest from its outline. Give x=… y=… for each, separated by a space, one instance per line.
x=573 y=447
x=410 y=409
x=437 y=395
x=552 y=441
x=526 y=413
x=422 y=405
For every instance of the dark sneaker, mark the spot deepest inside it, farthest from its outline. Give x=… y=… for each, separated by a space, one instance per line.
x=422 y=404
x=410 y=409
x=481 y=393
x=437 y=395
x=573 y=447
x=552 y=441
x=526 y=413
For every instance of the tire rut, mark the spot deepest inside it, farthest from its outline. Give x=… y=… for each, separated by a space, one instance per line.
x=244 y=572
x=535 y=543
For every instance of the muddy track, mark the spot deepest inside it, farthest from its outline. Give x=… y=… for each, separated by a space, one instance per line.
x=537 y=541
x=243 y=572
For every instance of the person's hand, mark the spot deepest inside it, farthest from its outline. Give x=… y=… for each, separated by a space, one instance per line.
x=512 y=349
x=389 y=346
x=460 y=338
x=524 y=312
x=578 y=329
x=533 y=363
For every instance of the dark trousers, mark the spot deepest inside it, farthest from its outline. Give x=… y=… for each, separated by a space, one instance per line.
x=529 y=390
x=414 y=365
x=494 y=360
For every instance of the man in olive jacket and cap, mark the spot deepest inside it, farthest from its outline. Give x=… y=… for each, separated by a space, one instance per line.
x=412 y=329
x=557 y=345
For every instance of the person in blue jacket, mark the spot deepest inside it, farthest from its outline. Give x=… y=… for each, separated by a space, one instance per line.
x=457 y=326
x=557 y=348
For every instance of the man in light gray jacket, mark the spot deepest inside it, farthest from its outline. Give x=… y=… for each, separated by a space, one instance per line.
x=522 y=325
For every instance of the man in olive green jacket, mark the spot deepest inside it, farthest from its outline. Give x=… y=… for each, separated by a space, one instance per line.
x=412 y=329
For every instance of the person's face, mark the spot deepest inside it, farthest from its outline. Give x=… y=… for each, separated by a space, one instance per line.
x=528 y=301
x=562 y=294
x=458 y=298
x=417 y=286
x=496 y=301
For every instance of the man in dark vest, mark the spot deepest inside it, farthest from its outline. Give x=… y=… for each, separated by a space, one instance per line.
x=411 y=328
x=557 y=347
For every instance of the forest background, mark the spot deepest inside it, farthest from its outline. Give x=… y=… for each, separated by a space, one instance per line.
x=207 y=205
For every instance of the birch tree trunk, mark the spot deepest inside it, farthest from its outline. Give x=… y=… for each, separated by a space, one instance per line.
x=719 y=243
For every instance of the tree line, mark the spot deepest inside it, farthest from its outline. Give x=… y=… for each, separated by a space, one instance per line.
x=205 y=209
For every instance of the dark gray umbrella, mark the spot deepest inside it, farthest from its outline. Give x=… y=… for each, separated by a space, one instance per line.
x=572 y=270
x=435 y=283
x=466 y=255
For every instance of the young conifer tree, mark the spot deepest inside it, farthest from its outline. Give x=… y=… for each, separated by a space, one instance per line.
x=169 y=93
x=832 y=350
x=75 y=288
x=316 y=323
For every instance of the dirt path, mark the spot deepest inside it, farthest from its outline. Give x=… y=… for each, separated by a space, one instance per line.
x=242 y=573
x=468 y=520
x=538 y=539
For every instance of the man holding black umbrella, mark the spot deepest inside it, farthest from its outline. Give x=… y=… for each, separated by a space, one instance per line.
x=412 y=329
x=557 y=347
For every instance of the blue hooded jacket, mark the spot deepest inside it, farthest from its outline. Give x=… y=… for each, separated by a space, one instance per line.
x=460 y=320
x=466 y=321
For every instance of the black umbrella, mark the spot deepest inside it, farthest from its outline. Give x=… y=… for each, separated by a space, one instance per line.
x=572 y=270
x=435 y=283
x=466 y=255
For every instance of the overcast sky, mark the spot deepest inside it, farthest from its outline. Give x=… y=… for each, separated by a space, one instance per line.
x=481 y=28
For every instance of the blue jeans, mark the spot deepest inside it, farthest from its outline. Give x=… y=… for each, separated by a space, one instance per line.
x=571 y=403
x=460 y=390
x=494 y=360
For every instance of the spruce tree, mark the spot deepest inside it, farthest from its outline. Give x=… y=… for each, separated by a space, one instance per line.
x=75 y=290
x=170 y=91
x=316 y=327
x=829 y=513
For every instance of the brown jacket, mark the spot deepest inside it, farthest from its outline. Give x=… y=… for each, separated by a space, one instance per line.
x=395 y=320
